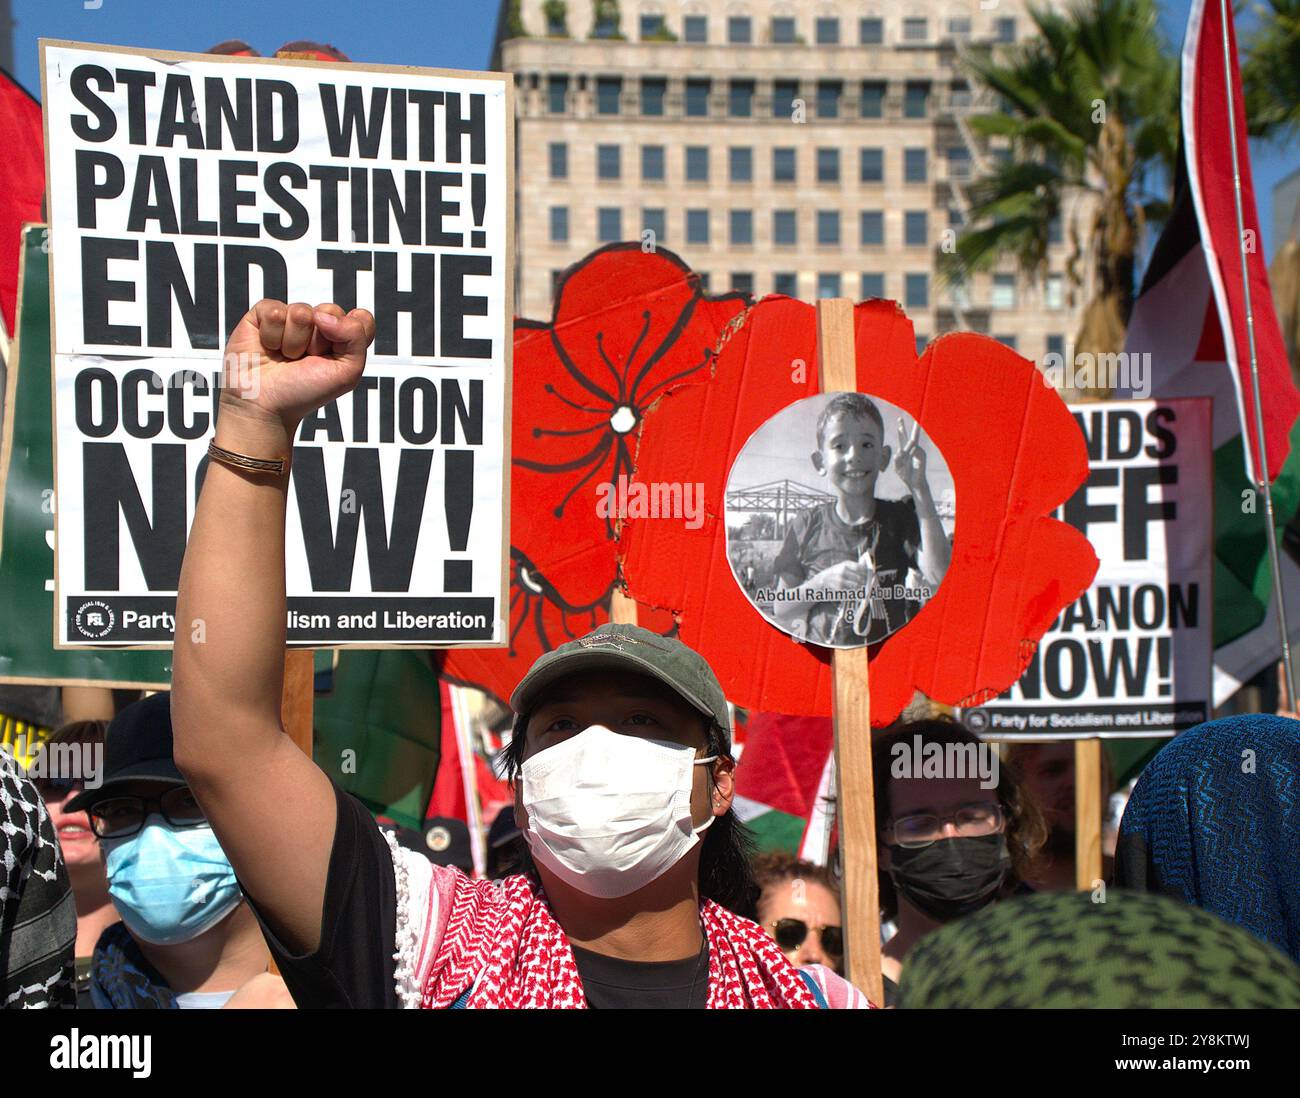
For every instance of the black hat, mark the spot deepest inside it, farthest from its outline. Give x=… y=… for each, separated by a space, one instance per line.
x=503 y=828
x=444 y=841
x=137 y=747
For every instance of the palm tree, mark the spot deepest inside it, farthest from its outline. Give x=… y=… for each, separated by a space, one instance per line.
x=1271 y=70
x=1090 y=108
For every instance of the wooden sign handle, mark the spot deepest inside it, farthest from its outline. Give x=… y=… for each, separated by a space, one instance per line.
x=1087 y=813
x=855 y=793
x=296 y=699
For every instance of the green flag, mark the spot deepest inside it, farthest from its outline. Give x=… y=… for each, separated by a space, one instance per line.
x=27 y=506
x=379 y=730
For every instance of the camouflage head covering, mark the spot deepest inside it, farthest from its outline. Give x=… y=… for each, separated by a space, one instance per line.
x=1060 y=949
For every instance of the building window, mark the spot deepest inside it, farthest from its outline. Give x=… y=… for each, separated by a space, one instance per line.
x=695 y=28
x=1056 y=345
x=956 y=219
x=653 y=90
x=782 y=30
x=783 y=165
x=828 y=227
x=914 y=166
x=697 y=98
x=740 y=30
x=740 y=98
x=828 y=34
x=609 y=89
x=916 y=99
x=785 y=282
x=873 y=284
x=784 y=228
x=915 y=30
x=1007 y=340
x=1054 y=292
x=958 y=162
x=559 y=224
x=740 y=164
x=784 y=93
x=828 y=165
x=557 y=94
x=1054 y=232
x=872 y=166
x=697 y=226
x=609 y=162
x=916 y=291
x=609 y=224
x=742 y=227
x=921 y=342
x=1004 y=291
x=916 y=228
x=872 y=104
x=872 y=225
x=1006 y=30
x=557 y=273
x=652 y=163
x=559 y=158
x=555 y=23
x=871 y=32
x=742 y=282
x=828 y=98
x=655 y=220
x=830 y=284
x=607 y=21
x=959 y=27
x=697 y=163
x=653 y=26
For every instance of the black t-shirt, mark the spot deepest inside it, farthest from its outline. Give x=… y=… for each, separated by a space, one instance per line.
x=354 y=964
x=818 y=538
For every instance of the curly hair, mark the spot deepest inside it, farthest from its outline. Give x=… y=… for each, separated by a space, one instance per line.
x=777 y=866
x=1026 y=831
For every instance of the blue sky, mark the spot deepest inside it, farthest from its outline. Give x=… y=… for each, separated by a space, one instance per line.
x=455 y=34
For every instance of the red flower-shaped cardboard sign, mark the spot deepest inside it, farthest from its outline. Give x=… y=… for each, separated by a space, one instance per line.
x=628 y=328
x=1015 y=455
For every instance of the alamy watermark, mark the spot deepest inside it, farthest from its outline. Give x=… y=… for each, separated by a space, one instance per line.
x=919 y=759
x=656 y=499
x=60 y=762
x=1127 y=370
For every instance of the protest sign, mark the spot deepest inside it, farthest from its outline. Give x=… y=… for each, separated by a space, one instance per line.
x=786 y=539
x=186 y=187
x=1132 y=655
x=27 y=506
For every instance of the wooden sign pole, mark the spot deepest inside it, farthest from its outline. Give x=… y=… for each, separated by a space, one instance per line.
x=855 y=794
x=296 y=700
x=1087 y=813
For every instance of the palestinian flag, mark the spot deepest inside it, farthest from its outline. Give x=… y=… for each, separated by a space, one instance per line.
x=22 y=183
x=1191 y=317
x=784 y=782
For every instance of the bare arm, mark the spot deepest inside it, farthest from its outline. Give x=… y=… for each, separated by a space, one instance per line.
x=935 y=553
x=272 y=809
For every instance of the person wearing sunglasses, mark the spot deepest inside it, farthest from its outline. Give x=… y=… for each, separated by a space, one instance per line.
x=186 y=939
x=799 y=905
x=59 y=784
x=949 y=843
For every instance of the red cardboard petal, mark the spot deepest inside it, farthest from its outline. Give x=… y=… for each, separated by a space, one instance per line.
x=1015 y=454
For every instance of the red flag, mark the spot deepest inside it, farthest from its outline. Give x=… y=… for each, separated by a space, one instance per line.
x=22 y=182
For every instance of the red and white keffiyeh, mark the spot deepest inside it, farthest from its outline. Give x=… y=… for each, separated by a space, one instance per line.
x=506 y=943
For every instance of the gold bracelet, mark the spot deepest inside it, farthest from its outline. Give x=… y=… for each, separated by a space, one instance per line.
x=243 y=461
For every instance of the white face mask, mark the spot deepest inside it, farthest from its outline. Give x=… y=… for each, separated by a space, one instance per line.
x=609 y=813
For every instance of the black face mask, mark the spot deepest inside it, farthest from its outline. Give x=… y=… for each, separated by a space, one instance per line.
x=951 y=877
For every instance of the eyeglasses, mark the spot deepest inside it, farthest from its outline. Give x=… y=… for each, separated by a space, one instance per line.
x=791 y=933
x=56 y=788
x=970 y=820
x=122 y=817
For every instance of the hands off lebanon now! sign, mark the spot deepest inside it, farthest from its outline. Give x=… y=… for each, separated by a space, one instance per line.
x=184 y=188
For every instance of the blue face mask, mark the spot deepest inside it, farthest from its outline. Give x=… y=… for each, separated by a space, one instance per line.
x=170 y=884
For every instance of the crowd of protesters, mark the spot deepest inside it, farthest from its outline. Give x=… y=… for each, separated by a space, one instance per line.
x=210 y=846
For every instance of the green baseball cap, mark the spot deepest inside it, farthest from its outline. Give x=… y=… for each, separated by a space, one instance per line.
x=621 y=647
